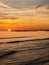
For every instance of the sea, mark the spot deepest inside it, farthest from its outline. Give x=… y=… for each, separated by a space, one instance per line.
x=24 y=47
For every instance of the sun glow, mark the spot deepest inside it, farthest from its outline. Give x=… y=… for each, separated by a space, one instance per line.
x=9 y=29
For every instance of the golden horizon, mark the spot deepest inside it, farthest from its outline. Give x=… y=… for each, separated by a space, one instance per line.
x=24 y=24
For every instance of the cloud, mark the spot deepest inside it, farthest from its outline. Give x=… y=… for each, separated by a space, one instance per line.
x=19 y=4
x=8 y=12
x=43 y=3
x=15 y=9
x=22 y=4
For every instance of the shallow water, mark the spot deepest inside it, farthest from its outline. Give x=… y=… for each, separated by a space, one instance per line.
x=24 y=48
x=9 y=36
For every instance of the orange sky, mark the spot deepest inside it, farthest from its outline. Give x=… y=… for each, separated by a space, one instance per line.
x=24 y=14
x=34 y=23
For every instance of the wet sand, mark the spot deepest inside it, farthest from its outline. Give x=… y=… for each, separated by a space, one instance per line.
x=32 y=52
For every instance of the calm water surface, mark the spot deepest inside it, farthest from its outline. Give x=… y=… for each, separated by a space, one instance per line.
x=8 y=36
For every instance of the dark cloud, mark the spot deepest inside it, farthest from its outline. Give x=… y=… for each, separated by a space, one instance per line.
x=43 y=3
x=38 y=6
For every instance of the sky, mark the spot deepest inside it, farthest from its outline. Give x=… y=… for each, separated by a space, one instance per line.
x=24 y=14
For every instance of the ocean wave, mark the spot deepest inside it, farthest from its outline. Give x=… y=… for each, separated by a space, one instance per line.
x=30 y=40
x=38 y=61
x=15 y=37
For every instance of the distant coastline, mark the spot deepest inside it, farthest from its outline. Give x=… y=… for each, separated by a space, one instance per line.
x=24 y=30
